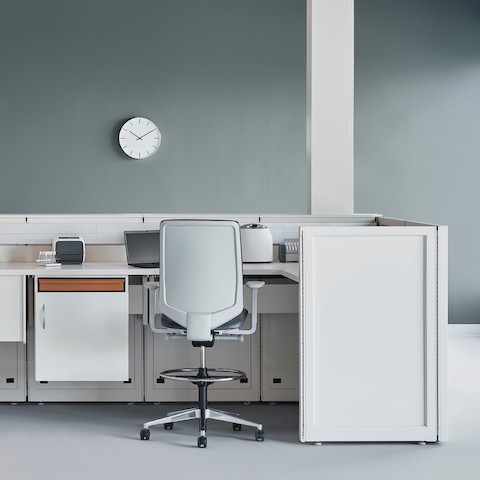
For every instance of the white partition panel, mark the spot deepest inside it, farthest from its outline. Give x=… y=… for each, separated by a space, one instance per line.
x=369 y=334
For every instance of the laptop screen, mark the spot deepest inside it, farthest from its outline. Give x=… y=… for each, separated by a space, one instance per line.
x=143 y=248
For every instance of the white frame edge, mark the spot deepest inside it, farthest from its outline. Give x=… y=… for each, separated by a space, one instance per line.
x=442 y=334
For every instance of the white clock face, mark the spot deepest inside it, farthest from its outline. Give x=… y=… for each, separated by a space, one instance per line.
x=139 y=138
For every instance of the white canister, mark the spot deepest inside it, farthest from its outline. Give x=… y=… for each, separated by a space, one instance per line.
x=257 y=243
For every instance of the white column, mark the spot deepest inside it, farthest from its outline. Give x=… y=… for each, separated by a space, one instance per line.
x=330 y=105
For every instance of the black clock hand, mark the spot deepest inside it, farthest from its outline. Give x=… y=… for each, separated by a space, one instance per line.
x=138 y=138
x=145 y=134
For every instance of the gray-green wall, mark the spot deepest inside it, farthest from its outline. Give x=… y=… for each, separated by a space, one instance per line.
x=225 y=82
x=223 y=79
x=417 y=128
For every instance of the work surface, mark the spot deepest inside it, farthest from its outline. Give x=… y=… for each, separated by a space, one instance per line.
x=288 y=270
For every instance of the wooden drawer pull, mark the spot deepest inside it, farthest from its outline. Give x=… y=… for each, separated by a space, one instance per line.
x=81 y=284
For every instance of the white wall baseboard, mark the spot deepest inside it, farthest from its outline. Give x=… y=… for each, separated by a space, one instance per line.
x=464 y=329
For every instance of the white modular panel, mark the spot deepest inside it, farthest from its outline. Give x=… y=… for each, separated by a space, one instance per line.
x=95 y=229
x=36 y=232
x=369 y=334
x=12 y=313
x=287 y=226
x=81 y=336
x=99 y=219
x=112 y=233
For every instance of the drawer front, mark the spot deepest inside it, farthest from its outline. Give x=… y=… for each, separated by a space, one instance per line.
x=81 y=284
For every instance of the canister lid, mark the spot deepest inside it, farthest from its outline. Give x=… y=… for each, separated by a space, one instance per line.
x=253 y=225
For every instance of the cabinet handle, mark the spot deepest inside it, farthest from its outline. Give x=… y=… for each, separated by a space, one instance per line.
x=43 y=316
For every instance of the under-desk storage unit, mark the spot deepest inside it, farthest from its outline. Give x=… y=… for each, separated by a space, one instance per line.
x=278 y=325
x=81 y=329
x=278 y=309
x=123 y=390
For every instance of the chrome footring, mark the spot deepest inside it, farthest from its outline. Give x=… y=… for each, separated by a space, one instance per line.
x=214 y=375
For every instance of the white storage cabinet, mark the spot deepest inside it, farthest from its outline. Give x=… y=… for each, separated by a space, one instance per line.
x=81 y=329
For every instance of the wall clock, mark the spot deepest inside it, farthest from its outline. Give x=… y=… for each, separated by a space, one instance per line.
x=139 y=138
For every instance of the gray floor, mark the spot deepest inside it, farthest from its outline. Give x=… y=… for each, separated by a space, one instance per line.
x=85 y=441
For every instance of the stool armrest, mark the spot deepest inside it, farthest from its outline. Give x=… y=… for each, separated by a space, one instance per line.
x=254 y=286
x=153 y=288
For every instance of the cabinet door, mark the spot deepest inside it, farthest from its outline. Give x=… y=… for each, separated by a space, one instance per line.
x=368 y=334
x=12 y=372
x=130 y=390
x=12 y=314
x=81 y=335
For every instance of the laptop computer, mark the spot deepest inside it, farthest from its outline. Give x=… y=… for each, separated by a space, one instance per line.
x=143 y=248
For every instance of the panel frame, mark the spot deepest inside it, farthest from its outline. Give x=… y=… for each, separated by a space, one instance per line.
x=309 y=431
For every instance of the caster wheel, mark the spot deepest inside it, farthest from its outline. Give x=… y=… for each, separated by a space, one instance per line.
x=168 y=426
x=259 y=435
x=237 y=427
x=144 y=434
x=202 y=442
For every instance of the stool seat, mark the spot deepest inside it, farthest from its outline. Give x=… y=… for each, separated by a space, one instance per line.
x=236 y=322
